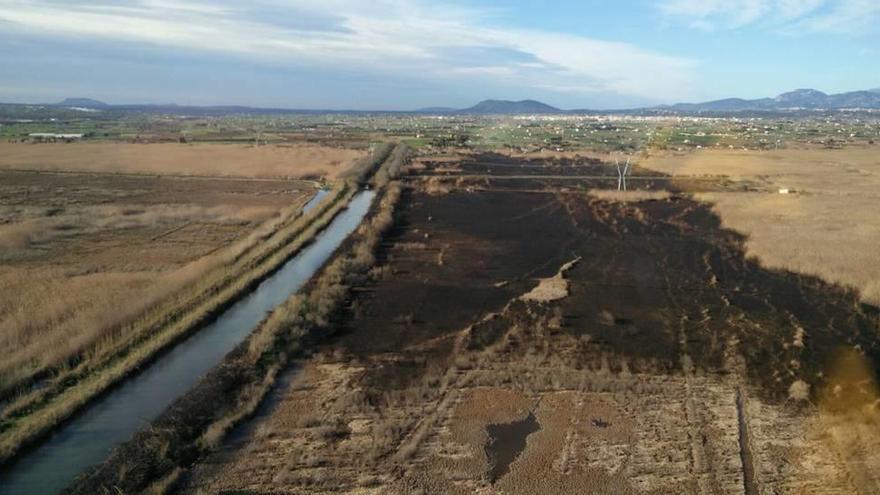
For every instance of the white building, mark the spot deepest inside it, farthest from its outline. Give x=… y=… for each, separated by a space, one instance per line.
x=51 y=135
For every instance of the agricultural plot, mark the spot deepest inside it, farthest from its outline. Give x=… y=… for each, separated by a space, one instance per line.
x=82 y=253
x=536 y=338
x=827 y=223
x=213 y=160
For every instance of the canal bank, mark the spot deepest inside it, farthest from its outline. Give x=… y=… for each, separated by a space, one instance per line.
x=90 y=436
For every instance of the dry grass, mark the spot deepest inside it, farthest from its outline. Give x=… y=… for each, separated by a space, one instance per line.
x=829 y=228
x=552 y=288
x=247 y=376
x=545 y=154
x=364 y=168
x=74 y=274
x=88 y=343
x=392 y=168
x=22 y=228
x=233 y=160
x=628 y=196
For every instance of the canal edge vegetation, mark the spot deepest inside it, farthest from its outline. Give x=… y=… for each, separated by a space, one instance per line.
x=196 y=423
x=50 y=402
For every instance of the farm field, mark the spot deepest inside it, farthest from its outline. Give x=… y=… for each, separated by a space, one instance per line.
x=201 y=159
x=828 y=227
x=104 y=270
x=527 y=336
x=83 y=252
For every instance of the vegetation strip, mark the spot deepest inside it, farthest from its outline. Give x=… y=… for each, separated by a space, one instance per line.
x=198 y=421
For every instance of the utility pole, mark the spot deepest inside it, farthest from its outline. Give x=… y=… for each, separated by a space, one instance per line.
x=621 y=174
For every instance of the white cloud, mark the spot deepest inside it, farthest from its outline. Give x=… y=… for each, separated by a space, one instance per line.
x=416 y=38
x=787 y=16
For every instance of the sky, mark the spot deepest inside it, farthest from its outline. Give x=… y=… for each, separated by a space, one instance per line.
x=409 y=54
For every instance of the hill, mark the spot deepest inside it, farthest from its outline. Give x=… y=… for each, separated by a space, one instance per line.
x=82 y=102
x=506 y=107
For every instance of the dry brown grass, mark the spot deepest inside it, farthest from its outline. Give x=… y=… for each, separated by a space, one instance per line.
x=552 y=288
x=552 y=154
x=628 y=196
x=30 y=226
x=72 y=274
x=133 y=344
x=233 y=160
x=829 y=228
x=248 y=375
x=90 y=304
x=392 y=168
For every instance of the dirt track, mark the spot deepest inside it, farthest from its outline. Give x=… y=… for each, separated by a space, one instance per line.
x=668 y=368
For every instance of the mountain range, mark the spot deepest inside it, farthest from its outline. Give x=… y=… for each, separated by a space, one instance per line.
x=499 y=107
x=797 y=100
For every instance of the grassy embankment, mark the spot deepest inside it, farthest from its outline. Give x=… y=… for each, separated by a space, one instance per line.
x=32 y=414
x=198 y=421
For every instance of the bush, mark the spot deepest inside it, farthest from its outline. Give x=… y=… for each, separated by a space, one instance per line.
x=363 y=168
x=391 y=169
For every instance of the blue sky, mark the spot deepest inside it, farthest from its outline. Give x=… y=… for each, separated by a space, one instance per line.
x=406 y=54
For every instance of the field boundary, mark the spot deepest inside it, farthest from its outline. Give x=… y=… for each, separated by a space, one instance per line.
x=145 y=175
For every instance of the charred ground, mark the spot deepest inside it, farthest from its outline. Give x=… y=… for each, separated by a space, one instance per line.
x=669 y=363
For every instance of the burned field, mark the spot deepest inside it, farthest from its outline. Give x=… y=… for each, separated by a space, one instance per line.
x=562 y=174
x=522 y=337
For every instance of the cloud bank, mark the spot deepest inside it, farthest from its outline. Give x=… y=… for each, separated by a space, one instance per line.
x=411 y=38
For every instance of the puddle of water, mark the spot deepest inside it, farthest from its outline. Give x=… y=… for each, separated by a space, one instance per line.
x=89 y=438
x=506 y=443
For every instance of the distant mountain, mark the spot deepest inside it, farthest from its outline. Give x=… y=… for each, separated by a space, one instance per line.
x=486 y=107
x=82 y=103
x=726 y=105
x=496 y=107
x=799 y=99
x=437 y=110
x=505 y=107
x=803 y=98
